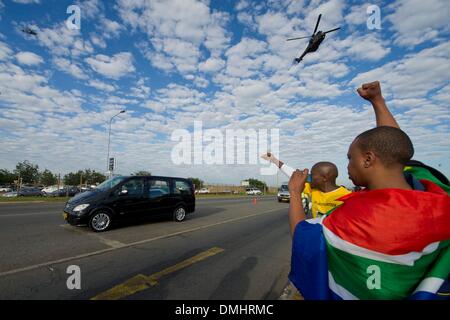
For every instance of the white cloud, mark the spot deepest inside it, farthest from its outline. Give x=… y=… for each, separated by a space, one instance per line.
x=113 y=67
x=110 y=28
x=366 y=47
x=98 y=41
x=102 y=86
x=416 y=21
x=60 y=40
x=414 y=76
x=71 y=68
x=26 y=1
x=358 y=15
x=212 y=65
x=177 y=30
x=30 y=91
x=90 y=8
x=29 y=58
x=5 y=51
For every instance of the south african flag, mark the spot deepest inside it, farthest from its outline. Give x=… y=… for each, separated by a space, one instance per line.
x=381 y=244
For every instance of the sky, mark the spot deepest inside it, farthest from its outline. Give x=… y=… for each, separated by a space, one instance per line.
x=224 y=63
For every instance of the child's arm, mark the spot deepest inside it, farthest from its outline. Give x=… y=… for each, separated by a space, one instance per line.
x=372 y=93
x=288 y=171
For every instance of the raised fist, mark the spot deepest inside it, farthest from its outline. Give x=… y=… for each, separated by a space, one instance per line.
x=270 y=157
x=370 y=91
x=297 y=181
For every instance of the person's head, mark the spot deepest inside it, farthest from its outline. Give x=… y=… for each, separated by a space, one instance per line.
x=323 y=173
x=376 y=152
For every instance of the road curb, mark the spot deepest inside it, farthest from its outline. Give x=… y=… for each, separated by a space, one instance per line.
x=290 y=293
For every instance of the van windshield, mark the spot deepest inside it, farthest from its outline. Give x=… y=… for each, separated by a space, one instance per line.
x=108 y=184
x=284 y=187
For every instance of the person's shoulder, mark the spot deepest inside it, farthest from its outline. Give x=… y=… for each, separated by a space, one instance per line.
x=344 y=190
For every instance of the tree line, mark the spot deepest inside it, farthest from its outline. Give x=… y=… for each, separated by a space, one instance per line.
x=29 y=174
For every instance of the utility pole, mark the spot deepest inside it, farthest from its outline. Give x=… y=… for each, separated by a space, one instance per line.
x=109 y=141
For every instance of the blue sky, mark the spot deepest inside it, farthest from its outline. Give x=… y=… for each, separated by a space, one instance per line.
x=225 y=63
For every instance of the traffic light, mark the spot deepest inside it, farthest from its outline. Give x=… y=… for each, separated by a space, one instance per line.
x=112 y=164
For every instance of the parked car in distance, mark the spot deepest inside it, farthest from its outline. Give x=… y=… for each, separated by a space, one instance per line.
x=50 y=189
x=203 y=191
x=29 y=192
x=64 y=192
x=5 y=189
x=283 y=193
x=131 y=197
x=253 y=191
x=10 y=194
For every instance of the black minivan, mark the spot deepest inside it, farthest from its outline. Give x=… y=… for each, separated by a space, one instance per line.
x=129 y=197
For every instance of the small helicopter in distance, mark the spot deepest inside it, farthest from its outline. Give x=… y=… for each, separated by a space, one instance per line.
x=314 y=41
x=29 y=31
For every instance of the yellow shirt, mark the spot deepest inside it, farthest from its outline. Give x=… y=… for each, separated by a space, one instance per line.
x=322 y=202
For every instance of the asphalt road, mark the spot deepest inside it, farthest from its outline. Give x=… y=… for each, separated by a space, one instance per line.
x=228 y=249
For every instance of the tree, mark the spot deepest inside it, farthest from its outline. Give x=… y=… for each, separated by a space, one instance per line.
x=28 y=172
x=96 y=177
x=72 y=178
x=7 y=177
x=87 y=176
x=254 y=183
x=47 y=178
x=197 y=183
x=142 y=173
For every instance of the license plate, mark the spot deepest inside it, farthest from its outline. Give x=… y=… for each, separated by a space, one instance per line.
x=65 y=216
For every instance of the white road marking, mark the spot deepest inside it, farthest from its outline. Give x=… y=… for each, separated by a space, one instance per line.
x=98 y=252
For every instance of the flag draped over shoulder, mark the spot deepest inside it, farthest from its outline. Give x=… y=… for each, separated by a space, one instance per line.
x=381 y=244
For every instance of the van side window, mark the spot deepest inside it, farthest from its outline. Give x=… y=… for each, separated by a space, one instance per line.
x=158 y=188
x=134 y=187
x=182 y=187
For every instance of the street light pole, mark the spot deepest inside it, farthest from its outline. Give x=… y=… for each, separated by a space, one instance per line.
x=109 y=141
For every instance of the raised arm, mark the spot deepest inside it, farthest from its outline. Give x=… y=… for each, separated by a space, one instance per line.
x=296 y=186
x=288 y=171
x=372 y=93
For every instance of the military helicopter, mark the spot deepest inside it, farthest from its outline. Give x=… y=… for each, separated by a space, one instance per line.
x=29 y=31
x=314 y=41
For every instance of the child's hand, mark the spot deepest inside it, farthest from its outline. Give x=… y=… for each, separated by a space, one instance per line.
x=270 y=157
x=370 y=91
x=297 y=182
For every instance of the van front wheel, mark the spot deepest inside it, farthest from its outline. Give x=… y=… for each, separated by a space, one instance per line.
x=100 y=221
x=179 y=214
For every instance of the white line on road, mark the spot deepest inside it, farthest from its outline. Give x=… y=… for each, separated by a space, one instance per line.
x=109 y=242
x=94 y=253
x=28 y=214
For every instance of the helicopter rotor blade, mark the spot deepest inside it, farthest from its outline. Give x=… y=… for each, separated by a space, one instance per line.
x=298 y=38
x=331 y=30
x=317 y=24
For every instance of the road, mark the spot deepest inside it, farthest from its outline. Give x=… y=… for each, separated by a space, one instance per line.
x=228 y=249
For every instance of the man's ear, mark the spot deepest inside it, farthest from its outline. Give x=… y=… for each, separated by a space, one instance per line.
x=369 y=159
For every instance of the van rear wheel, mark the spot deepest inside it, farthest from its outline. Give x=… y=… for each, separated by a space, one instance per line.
x=179 y=214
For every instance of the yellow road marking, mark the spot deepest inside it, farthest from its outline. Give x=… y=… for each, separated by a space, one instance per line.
x=142 y=282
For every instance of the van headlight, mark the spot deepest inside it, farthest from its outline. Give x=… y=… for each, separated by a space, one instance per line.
x=80 y=207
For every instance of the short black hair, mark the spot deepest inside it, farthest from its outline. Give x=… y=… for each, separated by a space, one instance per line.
x=391 y=145
x=326 y=168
